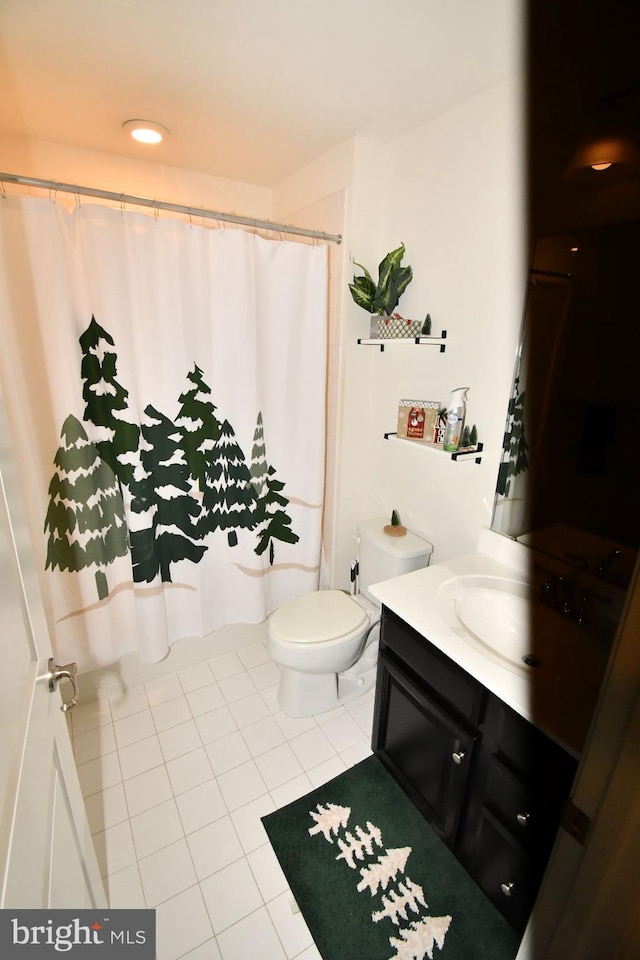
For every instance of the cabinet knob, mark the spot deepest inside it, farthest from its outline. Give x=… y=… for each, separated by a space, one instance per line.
x=507 y=888
x=523 y=818
x=458 y=757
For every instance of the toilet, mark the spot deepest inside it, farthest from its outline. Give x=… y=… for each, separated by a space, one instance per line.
x=326 y=642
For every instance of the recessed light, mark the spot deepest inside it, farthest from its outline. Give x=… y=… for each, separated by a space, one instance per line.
x=146 y=131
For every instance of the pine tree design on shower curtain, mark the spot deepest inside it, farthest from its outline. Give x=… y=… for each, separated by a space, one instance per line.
x=85 y=518
x=104 y=397
x=198 y=426
x=229 y=500
x=171 y=530
x=182 y=479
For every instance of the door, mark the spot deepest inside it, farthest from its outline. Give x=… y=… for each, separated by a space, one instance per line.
x=46 y=853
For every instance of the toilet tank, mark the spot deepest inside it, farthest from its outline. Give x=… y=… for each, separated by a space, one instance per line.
x=381 y=557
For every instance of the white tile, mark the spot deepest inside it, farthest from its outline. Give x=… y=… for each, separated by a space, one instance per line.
x=312 y=748
x=278 y=765
x=166 y=872
x=292 y=790
x=138 y=726
x=88 y=716
x=343 y=732
x=241 y=785
x=147 y=790
x=163 y=689
x=189 y=770
x=262 y=736
x=214 y=847
x=206 y=699
x=106 y=808
x=248 y=823
x=114 y=848
x=227 y=666
x=254 y=655
x=227 y=752
x=195 y=677
x=356 y=753
x=236 y=687
x=140 y=756
x=98 y=774
x=270 y=697
x=180 y=739
x=171 y=713
x=267 y=872
x=290 y=924
x=129 y=702
x=231 y=894
x=252 y=937
x=363 y=715
x=326 y=771
x=124 y=889
x=215 y=724
x=249 y=709
x=156 y=828
x=201 y=805
x=182 y=924
x=294 y=726
x=94 y=743
x=206 y=951
x=311 y=953
x=265 y=675
x=330 y=714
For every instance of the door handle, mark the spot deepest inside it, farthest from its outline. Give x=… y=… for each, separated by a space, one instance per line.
x=458 y=757
x=68 y=672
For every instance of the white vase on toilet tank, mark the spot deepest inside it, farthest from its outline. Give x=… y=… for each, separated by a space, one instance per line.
x=326 y=642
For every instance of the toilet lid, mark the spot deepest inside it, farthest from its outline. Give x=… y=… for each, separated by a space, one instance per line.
x=317 y=617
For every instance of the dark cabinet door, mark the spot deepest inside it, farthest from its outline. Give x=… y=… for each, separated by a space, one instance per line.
x=424 y=747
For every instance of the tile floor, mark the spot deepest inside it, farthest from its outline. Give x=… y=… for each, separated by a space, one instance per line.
x=176 y=775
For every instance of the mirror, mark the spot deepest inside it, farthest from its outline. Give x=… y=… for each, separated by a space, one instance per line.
x=571 y=453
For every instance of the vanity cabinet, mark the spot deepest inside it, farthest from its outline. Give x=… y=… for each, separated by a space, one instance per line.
x=490 y=784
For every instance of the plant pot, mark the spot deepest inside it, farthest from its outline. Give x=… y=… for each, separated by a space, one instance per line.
x=397 y=328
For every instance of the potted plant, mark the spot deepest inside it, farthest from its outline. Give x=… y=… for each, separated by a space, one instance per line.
x=381 y=298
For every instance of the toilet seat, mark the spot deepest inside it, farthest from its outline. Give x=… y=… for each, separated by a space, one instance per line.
x=321 y=617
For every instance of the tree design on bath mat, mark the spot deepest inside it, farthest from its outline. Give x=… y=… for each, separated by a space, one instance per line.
x=229 y=501
x=198 y=426
x=104 y=398
x=162 y=495
x=85 y=518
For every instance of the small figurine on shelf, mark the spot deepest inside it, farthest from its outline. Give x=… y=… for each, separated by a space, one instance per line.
x=426 y=326
x=395 y=528
x=469 y=439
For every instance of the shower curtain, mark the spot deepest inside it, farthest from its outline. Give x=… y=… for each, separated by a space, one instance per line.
x=165 y=385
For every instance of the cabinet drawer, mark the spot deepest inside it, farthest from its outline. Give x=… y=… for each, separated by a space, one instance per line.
x=503 y=870
x=448 y=684
x=514 y=803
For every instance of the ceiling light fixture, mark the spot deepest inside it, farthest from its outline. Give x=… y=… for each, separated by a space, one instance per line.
x=146 y=131
x=610 y=141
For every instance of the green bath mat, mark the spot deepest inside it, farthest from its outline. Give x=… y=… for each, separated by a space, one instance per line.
x=374 y=882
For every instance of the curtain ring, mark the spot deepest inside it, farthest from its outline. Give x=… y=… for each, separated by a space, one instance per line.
x=122 y=204
x=3 y=190
x=155 y=211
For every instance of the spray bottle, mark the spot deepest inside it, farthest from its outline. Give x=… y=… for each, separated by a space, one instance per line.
x=455 y=419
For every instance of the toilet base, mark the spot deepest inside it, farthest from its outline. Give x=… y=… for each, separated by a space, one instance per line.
x=306 y=694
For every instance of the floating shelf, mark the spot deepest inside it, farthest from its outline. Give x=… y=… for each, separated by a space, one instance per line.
x=407 y=341
x=437 y=448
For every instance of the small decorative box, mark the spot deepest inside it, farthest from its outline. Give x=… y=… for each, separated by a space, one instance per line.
x=417 y=420
x=397 y=328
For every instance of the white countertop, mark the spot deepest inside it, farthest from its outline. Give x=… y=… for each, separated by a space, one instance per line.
x=562 y=709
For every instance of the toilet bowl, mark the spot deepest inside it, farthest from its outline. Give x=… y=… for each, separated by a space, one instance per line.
x=326 y=644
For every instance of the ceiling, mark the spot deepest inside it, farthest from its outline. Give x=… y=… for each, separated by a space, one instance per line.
x=250 y=89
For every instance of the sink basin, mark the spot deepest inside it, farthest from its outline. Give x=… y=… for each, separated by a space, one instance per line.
x=498 y=620
x=497 y=616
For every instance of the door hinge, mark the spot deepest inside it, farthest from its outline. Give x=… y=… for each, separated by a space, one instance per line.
x=575 y=821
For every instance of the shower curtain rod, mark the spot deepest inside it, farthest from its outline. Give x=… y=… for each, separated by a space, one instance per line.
x=163 y=205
